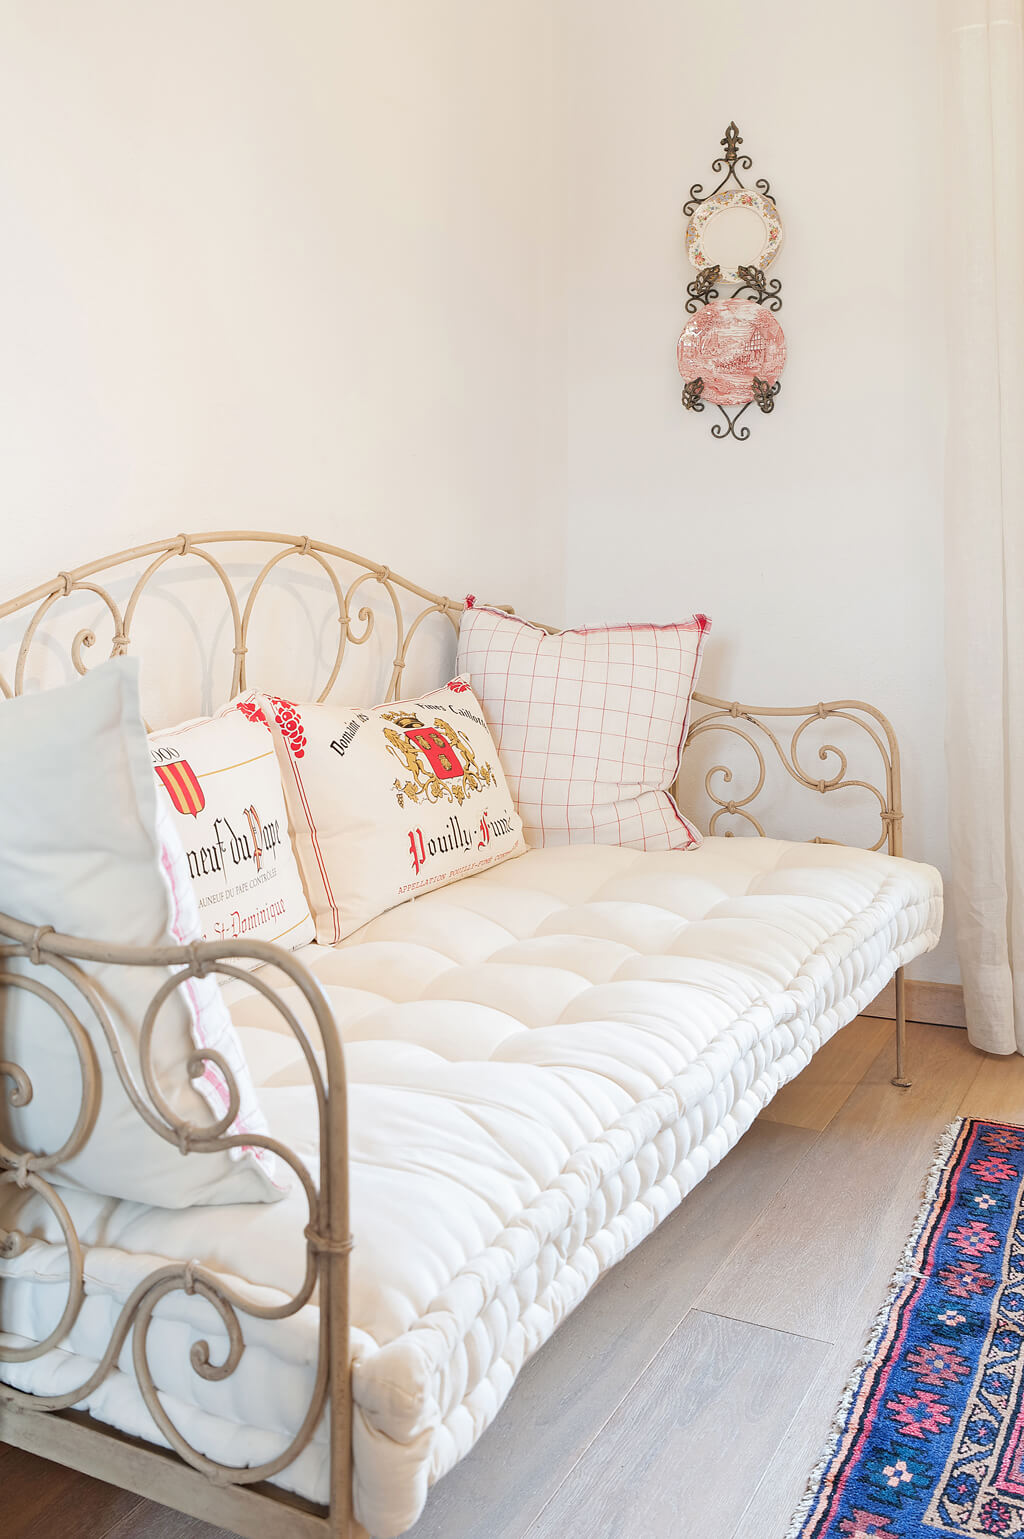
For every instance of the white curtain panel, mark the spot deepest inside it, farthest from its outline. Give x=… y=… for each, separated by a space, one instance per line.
x=985 y=511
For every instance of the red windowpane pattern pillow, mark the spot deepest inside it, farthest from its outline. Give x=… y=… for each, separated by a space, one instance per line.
x=589 y=723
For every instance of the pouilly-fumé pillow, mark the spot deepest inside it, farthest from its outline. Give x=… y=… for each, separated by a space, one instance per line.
x=390 y=801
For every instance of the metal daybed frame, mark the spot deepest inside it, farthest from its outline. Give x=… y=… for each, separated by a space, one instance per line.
x=242 y=1499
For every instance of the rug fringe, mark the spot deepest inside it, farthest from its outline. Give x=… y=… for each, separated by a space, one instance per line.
x=904 y=1271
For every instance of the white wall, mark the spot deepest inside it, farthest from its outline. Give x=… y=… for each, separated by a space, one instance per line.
x=282 y=265
x=815 y=545
x=408 y=274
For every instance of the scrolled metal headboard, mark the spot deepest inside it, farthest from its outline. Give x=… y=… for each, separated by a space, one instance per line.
x=406 y=609
x=357 y=621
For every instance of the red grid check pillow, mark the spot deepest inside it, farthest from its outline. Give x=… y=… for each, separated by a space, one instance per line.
x=589 y=724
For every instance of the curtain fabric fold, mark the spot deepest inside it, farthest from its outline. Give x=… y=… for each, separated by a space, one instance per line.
x=985 y=511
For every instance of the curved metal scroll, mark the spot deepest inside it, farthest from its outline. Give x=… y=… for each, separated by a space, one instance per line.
x=356 y=620
x=327 y=1237
x=755 y=726
x=730 y=142
x=745 y=722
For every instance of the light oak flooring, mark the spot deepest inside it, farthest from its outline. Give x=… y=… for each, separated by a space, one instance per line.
x=690 y=1394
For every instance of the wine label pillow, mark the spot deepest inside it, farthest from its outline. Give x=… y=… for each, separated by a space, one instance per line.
x=87 y=848
x=392 y=801
x=219 y=776
x=590 y=723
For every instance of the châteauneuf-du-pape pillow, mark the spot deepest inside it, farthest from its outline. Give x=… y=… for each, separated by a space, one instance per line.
x=219 y=775
x=88 y=847
x=392 y=801
x=590 y=723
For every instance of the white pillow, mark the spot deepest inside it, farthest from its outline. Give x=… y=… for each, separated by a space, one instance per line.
x=220 y=778
x=392 y=801
x=85 y=847
x=590 y=723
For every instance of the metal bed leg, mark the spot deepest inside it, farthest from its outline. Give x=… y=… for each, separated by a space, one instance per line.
x=900 y=1077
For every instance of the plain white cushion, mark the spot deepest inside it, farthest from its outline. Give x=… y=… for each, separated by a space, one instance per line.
x=82 y=850
x=590 y=724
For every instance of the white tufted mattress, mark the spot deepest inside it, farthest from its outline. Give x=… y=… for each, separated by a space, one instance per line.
x=544 y=1059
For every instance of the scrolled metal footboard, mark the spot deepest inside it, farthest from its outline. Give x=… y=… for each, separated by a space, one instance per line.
x=756 y=725
x=327 y=1236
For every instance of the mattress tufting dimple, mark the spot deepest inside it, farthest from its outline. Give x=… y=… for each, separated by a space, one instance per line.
x=543 y=1059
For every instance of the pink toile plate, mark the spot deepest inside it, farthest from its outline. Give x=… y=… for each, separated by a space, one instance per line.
x=734 y=347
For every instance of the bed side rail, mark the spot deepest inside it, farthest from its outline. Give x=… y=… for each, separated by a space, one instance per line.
x=327 y=1236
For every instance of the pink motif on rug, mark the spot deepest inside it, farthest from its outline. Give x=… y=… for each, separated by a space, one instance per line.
x=930 y=1436
x=728 y=344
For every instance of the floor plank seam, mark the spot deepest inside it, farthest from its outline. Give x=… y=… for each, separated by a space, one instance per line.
x=605 y=1423
x=691 y=1308
x=755 y=1218
x=983 y=1063
x=132 y=1513
x=796 y=1127
x=804 y=1127
x=757 y=1491
x=531 y=1522
x=758 y=1325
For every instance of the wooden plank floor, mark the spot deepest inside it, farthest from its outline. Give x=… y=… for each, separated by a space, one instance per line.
x=692 y=1392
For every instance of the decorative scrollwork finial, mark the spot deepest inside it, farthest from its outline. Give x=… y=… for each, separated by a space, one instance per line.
x=702 y=289
x=730 y=142
x=763 y=289
x=764 y=394
x=692 y=392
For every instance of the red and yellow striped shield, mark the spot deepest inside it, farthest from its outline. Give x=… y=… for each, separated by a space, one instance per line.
x=182 y=785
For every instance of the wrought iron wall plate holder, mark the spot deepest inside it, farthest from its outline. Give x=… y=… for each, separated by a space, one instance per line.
x=753 y=285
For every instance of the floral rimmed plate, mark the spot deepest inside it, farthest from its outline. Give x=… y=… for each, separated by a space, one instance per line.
x=734 y=229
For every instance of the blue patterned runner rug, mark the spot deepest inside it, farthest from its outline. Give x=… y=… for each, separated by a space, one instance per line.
x=929 y=1439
